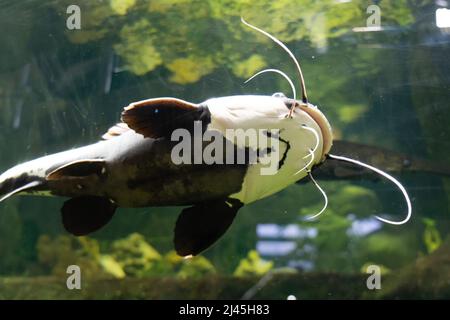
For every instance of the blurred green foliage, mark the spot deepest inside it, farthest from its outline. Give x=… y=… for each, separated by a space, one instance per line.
x=253 y=265
x=131 y=256
x=11 y=229
x=56 y=254
x=134 y=254
x=431 y=236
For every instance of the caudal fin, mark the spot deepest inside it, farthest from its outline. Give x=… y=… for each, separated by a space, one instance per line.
x=11 y=185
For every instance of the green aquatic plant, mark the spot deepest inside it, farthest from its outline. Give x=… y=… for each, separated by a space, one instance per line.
x=55 y=255
x=426 y=278
x=122 y=6
x=331 y=242
x=431 y=236
x=172 y=265
x=253 y=265
x=195 y=267
x=343 y=199
x=392 y=250
x=248 y=67
x=397 y=12
x=183 y=52
x=131 y=256
x=111 y=266
x=138 y=47
x=134 y=254
x=190 y=69
x=383 y=269
x=354 y=199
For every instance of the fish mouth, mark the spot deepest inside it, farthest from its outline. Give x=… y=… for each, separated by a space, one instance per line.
x=324 y=125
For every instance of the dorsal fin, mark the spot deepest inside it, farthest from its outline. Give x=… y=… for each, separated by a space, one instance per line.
x=155 y=118
x=115 y=131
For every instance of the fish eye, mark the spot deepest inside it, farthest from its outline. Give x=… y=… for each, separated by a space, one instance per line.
x=279 y=95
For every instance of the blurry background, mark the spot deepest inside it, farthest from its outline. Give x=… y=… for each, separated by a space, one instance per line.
x=386 y=86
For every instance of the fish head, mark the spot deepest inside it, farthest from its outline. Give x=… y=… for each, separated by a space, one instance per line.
x=296 y=143
x=304 y=110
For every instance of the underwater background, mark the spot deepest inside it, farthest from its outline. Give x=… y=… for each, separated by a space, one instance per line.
x=383 y=84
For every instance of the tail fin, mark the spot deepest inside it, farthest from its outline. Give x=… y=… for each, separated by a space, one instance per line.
x=14 y=184
x=19 y=189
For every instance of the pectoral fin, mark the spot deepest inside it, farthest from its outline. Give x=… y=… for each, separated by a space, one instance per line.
x=159 y=117
x=84 y=215
x=199 y=226
x=77 y=169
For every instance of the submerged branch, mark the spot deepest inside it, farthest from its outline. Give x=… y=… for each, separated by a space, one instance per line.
x=388 y=160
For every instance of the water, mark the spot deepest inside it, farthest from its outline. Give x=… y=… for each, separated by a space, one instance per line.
x=390 y=88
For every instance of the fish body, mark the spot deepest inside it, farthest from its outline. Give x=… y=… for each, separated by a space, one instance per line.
x=135 y=171
x=134 y=167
